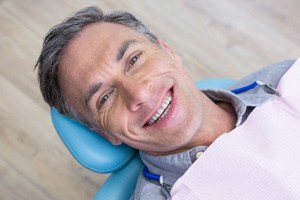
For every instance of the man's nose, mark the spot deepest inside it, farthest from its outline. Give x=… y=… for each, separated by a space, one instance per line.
x=135 y=92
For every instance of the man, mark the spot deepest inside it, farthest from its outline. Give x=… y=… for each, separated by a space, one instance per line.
x=112 y=74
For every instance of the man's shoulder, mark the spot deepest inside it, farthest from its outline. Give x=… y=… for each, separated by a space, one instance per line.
x=270 y=74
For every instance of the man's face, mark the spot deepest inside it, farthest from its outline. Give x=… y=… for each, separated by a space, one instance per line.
x=130 y=89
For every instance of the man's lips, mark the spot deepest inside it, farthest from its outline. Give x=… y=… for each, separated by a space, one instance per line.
x=162 y=110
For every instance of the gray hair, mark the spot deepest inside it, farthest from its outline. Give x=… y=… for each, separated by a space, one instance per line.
x=60 y=36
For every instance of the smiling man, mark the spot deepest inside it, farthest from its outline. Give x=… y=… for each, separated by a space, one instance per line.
x=132 y=90
x=112 y=74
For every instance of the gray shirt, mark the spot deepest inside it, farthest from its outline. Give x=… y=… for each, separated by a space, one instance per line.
x=173 y=166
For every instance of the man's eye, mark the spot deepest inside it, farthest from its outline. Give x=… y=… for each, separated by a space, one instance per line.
x=102 y=100
x=133 y=60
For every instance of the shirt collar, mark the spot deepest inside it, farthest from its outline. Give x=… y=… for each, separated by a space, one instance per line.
x=173 y=166
x=227 y=96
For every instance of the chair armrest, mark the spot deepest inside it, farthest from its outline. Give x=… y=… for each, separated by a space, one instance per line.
x=121 y=184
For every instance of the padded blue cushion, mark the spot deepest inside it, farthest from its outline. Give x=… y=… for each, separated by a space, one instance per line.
x=220 y=83
x=88 y=147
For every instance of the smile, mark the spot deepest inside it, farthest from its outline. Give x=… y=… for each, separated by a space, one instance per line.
x=162 y=111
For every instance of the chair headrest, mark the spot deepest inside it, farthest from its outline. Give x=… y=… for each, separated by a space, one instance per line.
x=88 y=147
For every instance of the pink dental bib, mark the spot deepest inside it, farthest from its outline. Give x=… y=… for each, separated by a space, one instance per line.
x=259 y=160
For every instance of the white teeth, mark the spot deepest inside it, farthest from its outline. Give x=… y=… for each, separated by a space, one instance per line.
x=162 y=111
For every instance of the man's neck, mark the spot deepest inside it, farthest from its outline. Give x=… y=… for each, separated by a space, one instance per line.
x=222 y=120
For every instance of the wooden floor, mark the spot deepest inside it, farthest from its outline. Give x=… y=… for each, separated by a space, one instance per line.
x=228 y=38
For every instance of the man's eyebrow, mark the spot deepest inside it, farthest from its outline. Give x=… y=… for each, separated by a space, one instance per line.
x=124 y=46
x=91 y=91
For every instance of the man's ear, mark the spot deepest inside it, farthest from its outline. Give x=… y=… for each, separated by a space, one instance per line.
x=169 y=49
x=113 y=139
x=164 y=44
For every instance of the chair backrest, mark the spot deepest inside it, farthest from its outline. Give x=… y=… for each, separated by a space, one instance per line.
x=97 y=154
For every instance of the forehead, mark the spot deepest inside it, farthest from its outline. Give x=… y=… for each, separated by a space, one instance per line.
x=104 y=35
x=98 y=42
x=102 y=38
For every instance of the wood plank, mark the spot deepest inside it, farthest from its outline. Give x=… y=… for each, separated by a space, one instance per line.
x=34 y=151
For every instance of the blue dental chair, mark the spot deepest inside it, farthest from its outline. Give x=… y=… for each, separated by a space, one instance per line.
x=98 y=155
